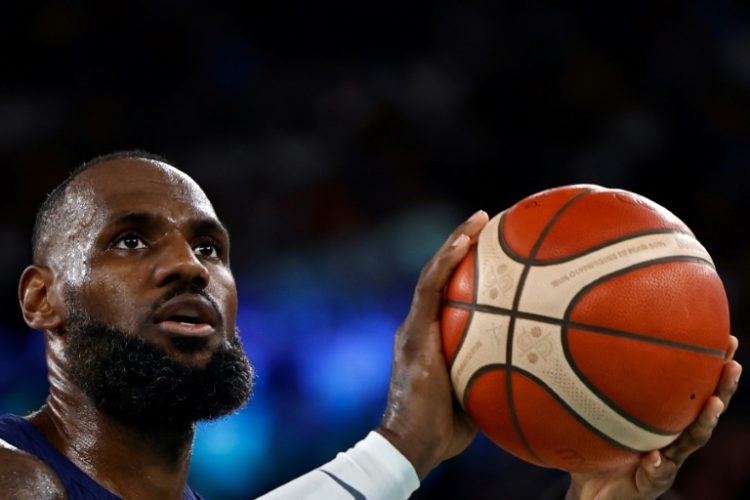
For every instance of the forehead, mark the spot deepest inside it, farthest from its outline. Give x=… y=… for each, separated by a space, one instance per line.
x=140 y=185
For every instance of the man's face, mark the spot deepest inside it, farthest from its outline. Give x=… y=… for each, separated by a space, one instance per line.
x=144 y=258
x=145 y=229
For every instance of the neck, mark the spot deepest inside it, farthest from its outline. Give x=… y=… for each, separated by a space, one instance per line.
x=130 y=461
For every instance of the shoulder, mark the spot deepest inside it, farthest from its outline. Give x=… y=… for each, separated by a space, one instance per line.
x=22 y=475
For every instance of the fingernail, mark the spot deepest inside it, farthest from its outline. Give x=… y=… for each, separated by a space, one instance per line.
x=459 y=240
x=474 y=216
x=657 y=461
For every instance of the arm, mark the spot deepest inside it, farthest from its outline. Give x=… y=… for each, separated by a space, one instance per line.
x=24 y=476
x=373 y=469
x=421 y=426
x=422 y=418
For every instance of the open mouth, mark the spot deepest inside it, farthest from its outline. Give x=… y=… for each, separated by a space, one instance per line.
x=187 y=314
x=189 y=320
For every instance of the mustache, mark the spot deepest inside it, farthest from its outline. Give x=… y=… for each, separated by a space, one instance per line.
x=185 y=287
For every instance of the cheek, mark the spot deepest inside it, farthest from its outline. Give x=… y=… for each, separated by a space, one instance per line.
x=225 y=291
x=112 y=300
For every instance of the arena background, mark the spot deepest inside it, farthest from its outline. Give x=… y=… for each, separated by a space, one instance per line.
x=341 y=143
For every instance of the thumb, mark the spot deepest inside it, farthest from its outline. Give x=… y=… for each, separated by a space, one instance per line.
x=654 y=475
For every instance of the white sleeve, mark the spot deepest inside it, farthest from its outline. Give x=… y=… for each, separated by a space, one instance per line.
x=374 y=470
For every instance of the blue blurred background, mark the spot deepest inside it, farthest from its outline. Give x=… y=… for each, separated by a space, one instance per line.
x=341 y=142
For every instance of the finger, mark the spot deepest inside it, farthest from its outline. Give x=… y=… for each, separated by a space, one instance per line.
x=429 y=291
x=697 y=434
x=730 y=378
x=655 y=474
x=731 y=348
x=469 y=227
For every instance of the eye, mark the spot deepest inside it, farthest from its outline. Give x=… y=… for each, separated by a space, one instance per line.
x=130 y=241
x=206 y=249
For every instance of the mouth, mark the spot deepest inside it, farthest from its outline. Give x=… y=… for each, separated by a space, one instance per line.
x=188 y=315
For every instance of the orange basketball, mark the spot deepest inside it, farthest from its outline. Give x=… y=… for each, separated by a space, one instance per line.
x=587 y=326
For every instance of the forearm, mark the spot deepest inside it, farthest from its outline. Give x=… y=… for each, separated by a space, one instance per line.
x=373 y=469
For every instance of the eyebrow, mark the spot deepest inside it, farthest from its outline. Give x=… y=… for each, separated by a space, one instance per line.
x=140 y=219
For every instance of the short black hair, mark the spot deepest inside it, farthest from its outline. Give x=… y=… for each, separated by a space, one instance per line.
x=46 y=215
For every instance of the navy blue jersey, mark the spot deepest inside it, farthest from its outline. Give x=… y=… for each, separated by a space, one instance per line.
x=79 y=486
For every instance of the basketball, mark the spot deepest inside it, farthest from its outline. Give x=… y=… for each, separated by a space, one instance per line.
x=586 y=326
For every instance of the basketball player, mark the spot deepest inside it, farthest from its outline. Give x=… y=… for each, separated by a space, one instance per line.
x=131 y=284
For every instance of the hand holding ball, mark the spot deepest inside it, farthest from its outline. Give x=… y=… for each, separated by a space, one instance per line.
x=586 y=327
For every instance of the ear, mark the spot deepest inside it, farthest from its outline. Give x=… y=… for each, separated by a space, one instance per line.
x=37 y=299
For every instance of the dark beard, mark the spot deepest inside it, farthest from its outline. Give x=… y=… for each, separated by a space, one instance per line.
x=138 y=384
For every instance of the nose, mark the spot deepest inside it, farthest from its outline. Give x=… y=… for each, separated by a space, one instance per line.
x=177 y=262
